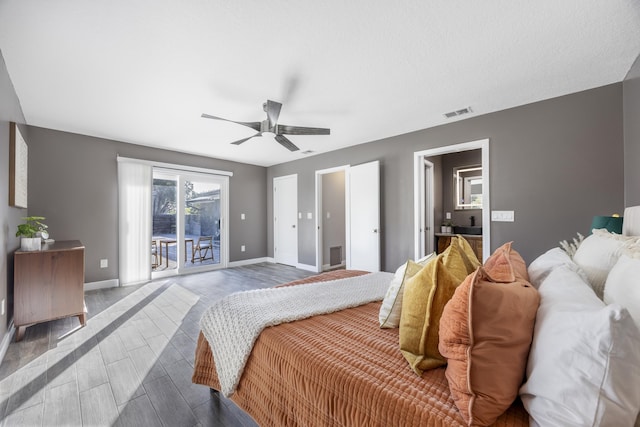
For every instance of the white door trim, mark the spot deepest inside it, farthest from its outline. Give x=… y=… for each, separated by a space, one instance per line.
x=347 y=224
x=427 y=229
x=418 y=166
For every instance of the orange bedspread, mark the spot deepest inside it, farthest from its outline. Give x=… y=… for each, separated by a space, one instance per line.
x=338 y=369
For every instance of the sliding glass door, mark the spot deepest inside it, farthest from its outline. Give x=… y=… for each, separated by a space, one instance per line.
x=189 y=230
x=202 y=220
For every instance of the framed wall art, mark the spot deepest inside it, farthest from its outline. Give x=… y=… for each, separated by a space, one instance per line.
x=18 y=162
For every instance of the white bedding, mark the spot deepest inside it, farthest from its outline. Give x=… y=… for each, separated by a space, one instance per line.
x=584 y=362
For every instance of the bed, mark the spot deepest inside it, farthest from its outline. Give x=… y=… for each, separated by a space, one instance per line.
x=338 y=369
x=342 y=369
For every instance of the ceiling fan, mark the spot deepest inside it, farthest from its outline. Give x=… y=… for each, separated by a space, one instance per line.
x=270 y=126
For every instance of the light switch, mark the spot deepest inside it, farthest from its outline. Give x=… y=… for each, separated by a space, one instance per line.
x=104 y=263
x=242 y=248
x=328 y=214
x=299 y=215
x=448 y=215
x=309 y=215
x=502 y=216
x=242 y=216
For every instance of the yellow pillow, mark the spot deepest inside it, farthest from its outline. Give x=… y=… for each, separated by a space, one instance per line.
x=469 y=256
x=425 y=296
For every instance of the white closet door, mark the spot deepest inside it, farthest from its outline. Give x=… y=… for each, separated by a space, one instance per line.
x=285 y=220
x=364 y=217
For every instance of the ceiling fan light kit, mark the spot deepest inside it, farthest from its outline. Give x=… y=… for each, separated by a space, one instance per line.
x=270 y=126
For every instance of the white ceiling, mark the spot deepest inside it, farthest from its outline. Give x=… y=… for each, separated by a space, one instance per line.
x=143 y=71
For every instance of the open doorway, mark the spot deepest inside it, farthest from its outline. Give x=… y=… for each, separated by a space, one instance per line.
x=361 y=216
x=331 y=216
x=440 y=177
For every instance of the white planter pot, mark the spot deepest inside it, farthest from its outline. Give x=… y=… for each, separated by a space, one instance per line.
x=28 y=244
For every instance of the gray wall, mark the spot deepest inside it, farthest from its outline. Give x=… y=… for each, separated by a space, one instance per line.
x=333 y=228
x=73 y=183
x=556 y=163
x=10 y=217
x=631 y=99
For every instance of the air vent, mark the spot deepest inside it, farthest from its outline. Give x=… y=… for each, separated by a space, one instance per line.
x=458 y=112
x=308 y=152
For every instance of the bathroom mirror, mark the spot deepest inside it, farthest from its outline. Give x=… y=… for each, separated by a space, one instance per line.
x=467 y=185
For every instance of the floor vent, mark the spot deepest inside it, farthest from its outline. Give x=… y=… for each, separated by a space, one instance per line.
x=335 y=255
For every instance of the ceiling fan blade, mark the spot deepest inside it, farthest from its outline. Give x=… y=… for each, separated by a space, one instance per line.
x=286 y=143
x=240 y=141
x=252 y=125
x=299 y=130
x=273 y=112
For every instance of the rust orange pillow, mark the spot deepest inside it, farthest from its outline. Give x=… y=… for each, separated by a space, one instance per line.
x=506 y=264
x=485 y=333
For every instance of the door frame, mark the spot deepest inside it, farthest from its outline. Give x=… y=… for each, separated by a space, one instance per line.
x=319 y=217
x=275 y=226
x=418 y=196
x=427 y=231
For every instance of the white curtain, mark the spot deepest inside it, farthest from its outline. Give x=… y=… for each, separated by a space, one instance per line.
x=134 y=221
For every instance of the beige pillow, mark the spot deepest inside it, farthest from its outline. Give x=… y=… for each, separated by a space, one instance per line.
x=425 y=296
x=389 y=315
x=485 y=334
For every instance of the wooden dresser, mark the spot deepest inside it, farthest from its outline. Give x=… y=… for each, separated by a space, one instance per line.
x=49 y=284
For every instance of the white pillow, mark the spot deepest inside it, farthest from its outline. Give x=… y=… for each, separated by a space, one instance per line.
x=389 y=315
x=623 y=285
x=597 y=255
x=540 y=268
x=584 y=362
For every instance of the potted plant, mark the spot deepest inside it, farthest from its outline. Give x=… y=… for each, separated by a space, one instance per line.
x=29 y=232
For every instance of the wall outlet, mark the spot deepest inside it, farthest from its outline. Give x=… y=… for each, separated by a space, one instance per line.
x=309 y=215
x=104 y=263
x=328 y=215
x=2 y=309
x=242 y=216
x=448 y=215
x=242 y=248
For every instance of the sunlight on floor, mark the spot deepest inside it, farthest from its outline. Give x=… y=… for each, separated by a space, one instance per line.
x=119 y=347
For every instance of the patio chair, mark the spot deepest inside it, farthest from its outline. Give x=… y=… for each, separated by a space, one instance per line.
x=155 y=260
x=204 y=244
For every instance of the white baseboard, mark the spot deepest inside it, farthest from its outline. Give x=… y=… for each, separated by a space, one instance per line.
x=8 y=337
x=250 y=261
x=307 y=267
x=102 y=284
